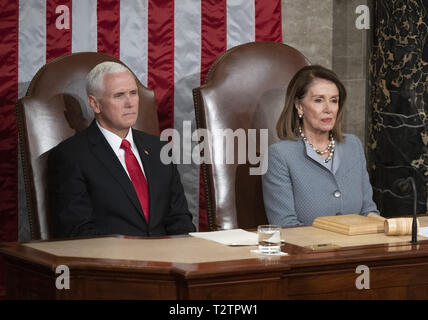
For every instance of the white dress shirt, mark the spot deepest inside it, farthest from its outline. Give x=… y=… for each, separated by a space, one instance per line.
x=115 y=141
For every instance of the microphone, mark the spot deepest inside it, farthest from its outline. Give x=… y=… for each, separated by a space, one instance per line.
x=405 y=186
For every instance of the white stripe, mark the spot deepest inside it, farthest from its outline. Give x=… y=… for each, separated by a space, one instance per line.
x=187 y=69
x=32 y=41
x=240 y=22
x=133 y=37
x=84 y=26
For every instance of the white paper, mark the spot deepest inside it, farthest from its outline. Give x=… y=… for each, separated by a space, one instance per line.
x=423 y=232
x=234 y=237
x=271 y=254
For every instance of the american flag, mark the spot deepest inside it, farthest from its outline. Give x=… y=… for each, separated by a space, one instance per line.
x=169 y=44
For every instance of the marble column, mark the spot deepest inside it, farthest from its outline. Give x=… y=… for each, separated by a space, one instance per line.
x=397 y=116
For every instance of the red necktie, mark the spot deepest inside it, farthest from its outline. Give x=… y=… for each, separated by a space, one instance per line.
x=137 y=177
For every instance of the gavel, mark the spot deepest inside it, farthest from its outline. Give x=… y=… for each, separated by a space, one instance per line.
x=396 y=226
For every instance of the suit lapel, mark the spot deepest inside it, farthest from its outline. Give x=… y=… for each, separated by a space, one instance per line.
x=103 y=152
x=337 y=155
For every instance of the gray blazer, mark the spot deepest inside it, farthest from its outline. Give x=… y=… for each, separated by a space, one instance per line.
x=297 y=189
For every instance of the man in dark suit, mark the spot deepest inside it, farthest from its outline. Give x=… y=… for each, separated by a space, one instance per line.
x=109 y=178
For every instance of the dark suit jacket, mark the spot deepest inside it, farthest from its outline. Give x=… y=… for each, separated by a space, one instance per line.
x=91 y=194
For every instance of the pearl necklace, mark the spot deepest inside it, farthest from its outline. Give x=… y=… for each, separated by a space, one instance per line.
x=330 y=147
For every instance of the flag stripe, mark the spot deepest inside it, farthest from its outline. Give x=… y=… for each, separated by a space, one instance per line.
x=108 y=16
x=9 y=17
x=161 y=58
x=32 y=41
x=58 y=28
x=187 y=62
x=213 y=33
x=133 y=37
x=268 y=20
x=240 y=22
x=8 y=133
x=84 y=26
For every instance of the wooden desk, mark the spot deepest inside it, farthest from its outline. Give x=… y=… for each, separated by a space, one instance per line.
x=191 y=268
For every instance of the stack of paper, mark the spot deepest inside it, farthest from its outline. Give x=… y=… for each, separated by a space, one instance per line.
x=234 y=237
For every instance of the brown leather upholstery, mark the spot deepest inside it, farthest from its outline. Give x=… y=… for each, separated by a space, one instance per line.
x=53 y=109
x=245 y=88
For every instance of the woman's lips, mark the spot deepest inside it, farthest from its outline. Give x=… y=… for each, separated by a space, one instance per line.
x=326 y=120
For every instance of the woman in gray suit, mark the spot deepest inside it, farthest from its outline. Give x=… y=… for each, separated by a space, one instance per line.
x=315 y=170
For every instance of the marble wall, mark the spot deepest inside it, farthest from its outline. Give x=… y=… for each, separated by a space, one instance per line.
x=398 y=124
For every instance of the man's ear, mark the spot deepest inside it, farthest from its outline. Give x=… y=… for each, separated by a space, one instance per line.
x=94 y=104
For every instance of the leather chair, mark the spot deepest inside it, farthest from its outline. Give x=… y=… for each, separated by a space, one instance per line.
x=245 y=88
x=54 y=108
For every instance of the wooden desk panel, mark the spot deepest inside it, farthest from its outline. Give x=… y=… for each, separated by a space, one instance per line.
x=397 y=271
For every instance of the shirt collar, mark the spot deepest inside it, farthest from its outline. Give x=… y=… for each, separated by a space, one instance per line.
x=114 y=140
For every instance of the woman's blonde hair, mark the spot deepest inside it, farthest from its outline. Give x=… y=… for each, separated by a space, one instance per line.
x=288 y=123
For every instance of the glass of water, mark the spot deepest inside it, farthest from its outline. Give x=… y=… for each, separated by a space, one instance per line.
x=269 y=239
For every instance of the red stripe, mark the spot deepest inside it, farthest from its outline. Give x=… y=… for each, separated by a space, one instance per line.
x=108 y=33
x=161 y=58
x=213 y=33
x=213 y=44
x=58 y=28
x=268 y=20
x=9 y=17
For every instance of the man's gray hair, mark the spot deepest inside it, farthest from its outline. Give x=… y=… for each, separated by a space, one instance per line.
x=95 y=78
